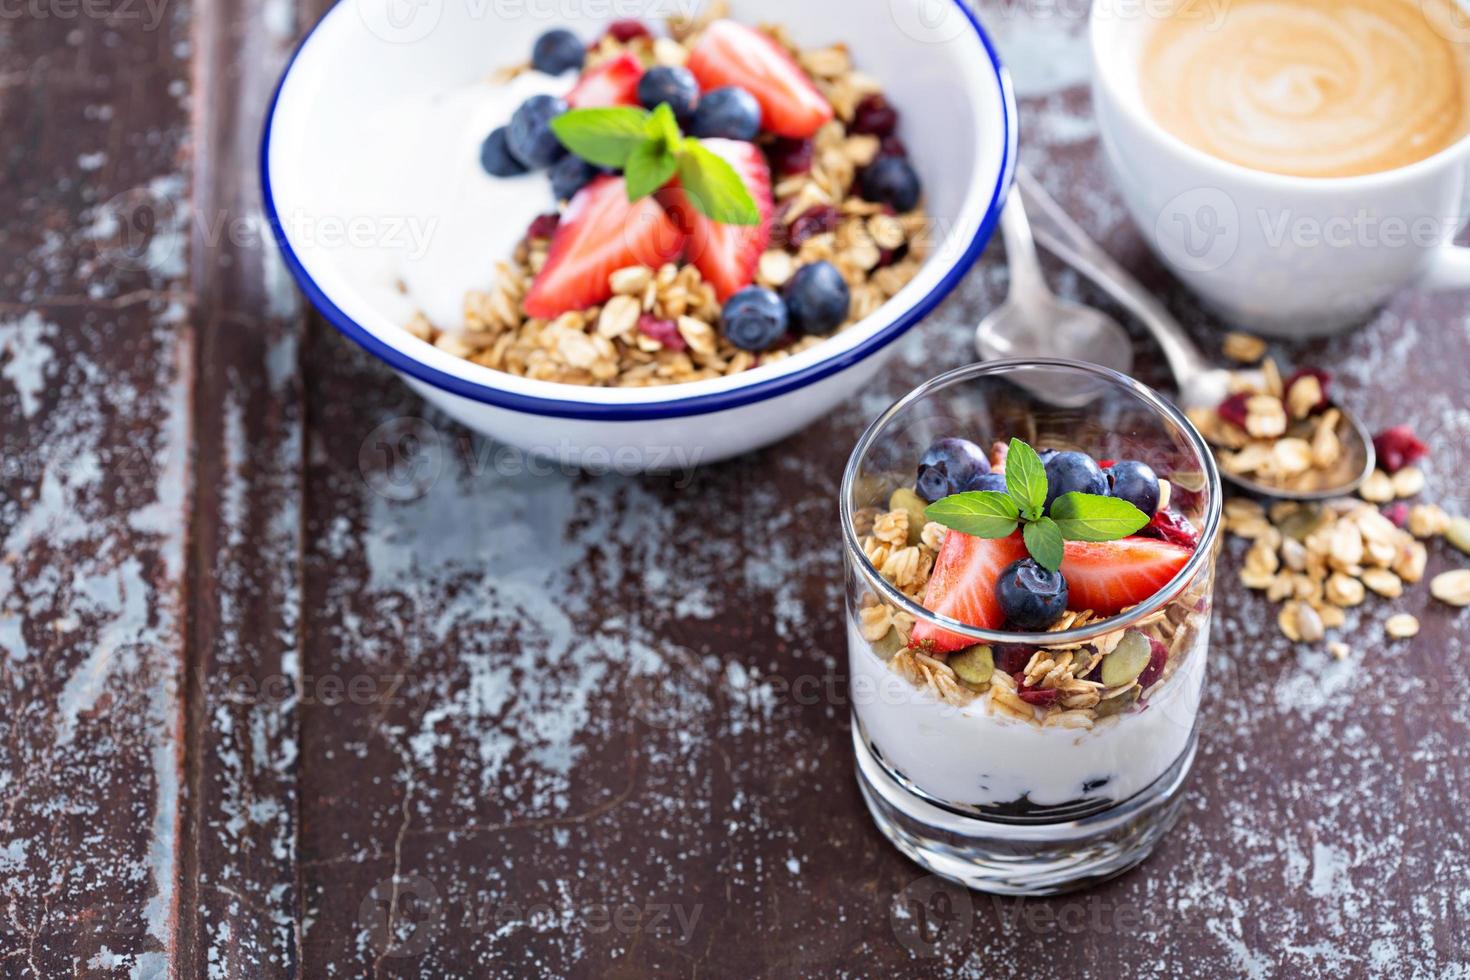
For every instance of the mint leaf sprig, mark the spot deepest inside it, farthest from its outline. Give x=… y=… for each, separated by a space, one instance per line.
x=1072 y=516
x=649 y=148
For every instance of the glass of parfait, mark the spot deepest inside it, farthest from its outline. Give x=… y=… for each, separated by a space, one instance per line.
x=1020 y=728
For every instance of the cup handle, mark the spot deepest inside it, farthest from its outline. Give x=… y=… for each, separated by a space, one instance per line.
x=1449 y=269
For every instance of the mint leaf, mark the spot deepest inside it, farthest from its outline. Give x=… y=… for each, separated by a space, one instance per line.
x=982 y=513
x=649 y=167
x=604 y=136
x=1089 y=517
x=663 y=127
x=1044 y=540
x=714 y=188
x=1026 y=479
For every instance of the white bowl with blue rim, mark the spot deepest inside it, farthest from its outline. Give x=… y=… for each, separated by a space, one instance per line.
x=337 y=221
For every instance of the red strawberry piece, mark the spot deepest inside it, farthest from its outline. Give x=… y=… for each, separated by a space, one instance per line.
x=892 y=146
x=1323 y=379
x=1157 y=658
x=726 y=255
x=1106 y=464
x=814 y=221
x=792 y=156
x=1172 y=527
x=1397 y=512
x=626 y=30
x=1398 y=447
x=1109 y=576
x=962 y=587
x=875 y=117
x=1232 y=409
x=614 y=82
x=601 y=232
x=544 y=225
x=733 y=54
x=666 y=332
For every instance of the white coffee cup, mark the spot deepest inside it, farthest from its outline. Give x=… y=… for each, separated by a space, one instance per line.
x=1281 y=255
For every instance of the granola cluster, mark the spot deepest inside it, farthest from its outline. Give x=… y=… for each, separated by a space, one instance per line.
x=663 y=325
x=1280 y=432
x=1052 y=686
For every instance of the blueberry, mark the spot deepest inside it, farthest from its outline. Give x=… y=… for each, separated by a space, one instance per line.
x=531 y=139
x=1136 y=483
x=754 y=319
x=1046 y=455
x=673 y=86
x=950 y=466
x=1031 y=596
x=995 y=482
x=558 y=51
x=730 y=112
x=1073 y=472
x=496 y=158
x=892 y=181
x=570 y=174
x=818 y=299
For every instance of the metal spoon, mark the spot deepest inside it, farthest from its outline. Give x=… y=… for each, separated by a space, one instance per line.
x=1199 y=383
x=1034 y=322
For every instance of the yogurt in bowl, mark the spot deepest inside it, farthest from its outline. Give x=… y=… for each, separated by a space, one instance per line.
x=356 y=73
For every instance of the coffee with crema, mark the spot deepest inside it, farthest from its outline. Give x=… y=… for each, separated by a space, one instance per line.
x=1313 y=88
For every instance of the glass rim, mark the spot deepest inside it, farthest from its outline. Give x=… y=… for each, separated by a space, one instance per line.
x=1203 y=553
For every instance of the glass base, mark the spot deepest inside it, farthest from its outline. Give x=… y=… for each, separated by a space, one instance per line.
x=1021 y=857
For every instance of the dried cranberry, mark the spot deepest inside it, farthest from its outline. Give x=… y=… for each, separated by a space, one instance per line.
x=888 y=256
x=1172 y=527
x=1323 y=378
x=875 y=117
x=1397 y=512
x=1158 y=657
x=1232 y=409
x=624 y=31
x=1012 y=658
x=666 y=332
x=1398 y=447
x=1106 y=464
x=789 y=156
x=892 y=146
x=813 y=221
x=543 y=225
x=1032 y=695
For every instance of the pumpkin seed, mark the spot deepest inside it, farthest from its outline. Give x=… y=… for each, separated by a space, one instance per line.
x=974 y=665
x=1127 y=661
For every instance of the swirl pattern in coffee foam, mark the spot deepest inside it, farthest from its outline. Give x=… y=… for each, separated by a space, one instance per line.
x=1313 y=88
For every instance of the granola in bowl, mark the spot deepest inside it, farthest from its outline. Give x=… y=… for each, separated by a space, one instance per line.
x=639 y=273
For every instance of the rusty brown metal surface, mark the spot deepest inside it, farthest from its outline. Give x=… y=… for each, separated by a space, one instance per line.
x=281 y=701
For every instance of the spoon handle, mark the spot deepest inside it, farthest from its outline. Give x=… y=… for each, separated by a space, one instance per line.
x=1072 y=245
x=1028 y=283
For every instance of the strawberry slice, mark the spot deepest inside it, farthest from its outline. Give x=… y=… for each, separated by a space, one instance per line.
x=1109 y=576
x=600 y=233
x=726 y=255
x=614 y=82
x=733 y=54
x=963 y=587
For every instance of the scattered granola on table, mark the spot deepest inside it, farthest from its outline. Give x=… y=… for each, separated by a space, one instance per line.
x=839 y=228
x=1321 y=559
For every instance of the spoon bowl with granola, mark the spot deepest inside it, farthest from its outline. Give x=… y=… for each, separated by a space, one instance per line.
x=1029 y=596
x=646 y=243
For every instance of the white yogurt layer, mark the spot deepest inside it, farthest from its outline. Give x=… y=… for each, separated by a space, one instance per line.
x=965 y=755
x=461 y=220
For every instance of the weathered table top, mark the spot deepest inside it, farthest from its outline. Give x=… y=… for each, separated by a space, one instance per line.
x=259 y=700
